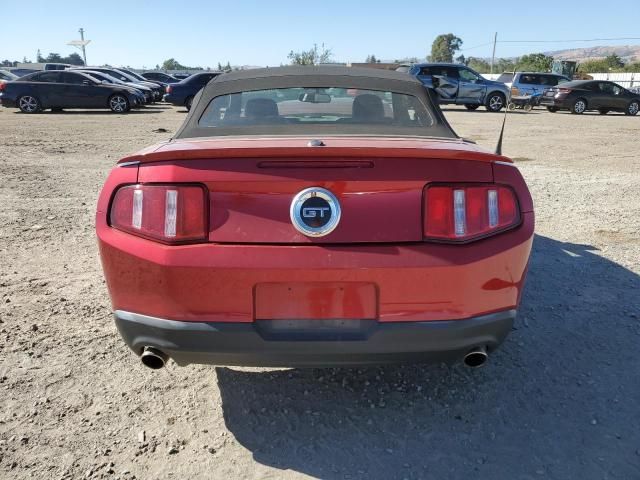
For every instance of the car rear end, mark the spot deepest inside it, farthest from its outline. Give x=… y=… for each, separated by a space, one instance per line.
x=204 y=265
x=175 y=94
x=9 y=94
x=557 y=97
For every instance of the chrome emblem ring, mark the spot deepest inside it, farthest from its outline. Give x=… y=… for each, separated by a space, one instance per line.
x=315 y=212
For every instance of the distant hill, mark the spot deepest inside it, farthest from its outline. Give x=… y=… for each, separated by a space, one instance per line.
x=628 y=53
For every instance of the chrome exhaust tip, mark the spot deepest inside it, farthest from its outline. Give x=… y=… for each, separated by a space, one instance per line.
x=153 y=358
x=476 y=357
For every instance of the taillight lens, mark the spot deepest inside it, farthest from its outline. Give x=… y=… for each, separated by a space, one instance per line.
x=168 y=89
x=2 y=84
x=459 y=213
x=167 y=213
x=564 y=91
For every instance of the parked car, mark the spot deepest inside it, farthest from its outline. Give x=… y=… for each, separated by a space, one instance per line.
x=56 y=66
x=124 y=77
x=183 y=92
x=530 y=83
x=580 y=96
x=21 y=72
x=65 y=89
x=145 y=92
x=459 y=84
x=140 y=78
x=7 y=76
x=160 y=77
x=289 y=223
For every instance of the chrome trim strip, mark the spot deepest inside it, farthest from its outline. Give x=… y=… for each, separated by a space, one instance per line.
x=508 y=164
x=128 y=164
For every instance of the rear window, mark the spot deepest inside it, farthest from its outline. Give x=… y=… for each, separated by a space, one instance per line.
x=505 y=78
x=317 y=106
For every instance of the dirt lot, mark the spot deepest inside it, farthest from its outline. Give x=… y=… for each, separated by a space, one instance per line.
x=560 y=400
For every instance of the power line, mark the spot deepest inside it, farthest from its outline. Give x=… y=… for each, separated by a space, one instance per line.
x=572 y=40
x=476 y=46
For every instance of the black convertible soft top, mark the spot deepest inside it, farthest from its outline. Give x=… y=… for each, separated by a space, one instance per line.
x=313 y=77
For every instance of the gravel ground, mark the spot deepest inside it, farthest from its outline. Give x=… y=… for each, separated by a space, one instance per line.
x=559 y=400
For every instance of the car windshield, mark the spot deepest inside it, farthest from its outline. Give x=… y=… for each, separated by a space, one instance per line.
x=7 y=75
x=379 y=111
x=134 y=75
x=126 y=77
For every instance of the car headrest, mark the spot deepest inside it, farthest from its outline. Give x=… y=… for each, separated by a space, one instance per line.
x=367 y=107
x=260 y=108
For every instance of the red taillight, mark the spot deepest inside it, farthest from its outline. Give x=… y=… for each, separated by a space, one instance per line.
x=564 y=91
x=168 y=89
x=167 y=213
x=2 y=84
x=466 y=212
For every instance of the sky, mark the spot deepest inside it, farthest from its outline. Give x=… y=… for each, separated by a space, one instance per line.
x=203 y=33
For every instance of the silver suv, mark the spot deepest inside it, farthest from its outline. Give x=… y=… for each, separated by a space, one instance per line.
x=530 y=83
x=456 y=83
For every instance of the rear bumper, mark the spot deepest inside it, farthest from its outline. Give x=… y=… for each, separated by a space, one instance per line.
x=552 y=102
x=173 y=99
x=223 y=283
x=8 y=102
x=312 y=343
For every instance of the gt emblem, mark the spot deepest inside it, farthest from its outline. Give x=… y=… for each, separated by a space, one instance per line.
x=312 y=212
x=315 y=212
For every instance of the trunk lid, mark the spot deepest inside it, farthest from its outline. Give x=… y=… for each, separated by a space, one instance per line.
x=252 y=183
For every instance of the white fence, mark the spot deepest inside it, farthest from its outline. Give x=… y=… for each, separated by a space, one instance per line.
x=626 y=79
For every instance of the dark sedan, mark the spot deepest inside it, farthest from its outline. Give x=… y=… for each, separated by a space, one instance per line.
x=64 y=89
x=146 y=92
x=160 y=77
x=158 y=90
x=580 y=96
x=182 y=93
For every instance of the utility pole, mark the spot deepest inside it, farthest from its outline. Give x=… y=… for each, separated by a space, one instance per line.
x=84 y=52
x=493 y=55
x=81 y=44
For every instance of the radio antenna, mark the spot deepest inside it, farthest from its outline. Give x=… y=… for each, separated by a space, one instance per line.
x=504 y=118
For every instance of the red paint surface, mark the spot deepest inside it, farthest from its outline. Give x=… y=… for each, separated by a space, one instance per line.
x=252 y=243
x=330 y=300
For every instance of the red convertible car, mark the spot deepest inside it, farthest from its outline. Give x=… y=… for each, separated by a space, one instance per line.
x=289 y=223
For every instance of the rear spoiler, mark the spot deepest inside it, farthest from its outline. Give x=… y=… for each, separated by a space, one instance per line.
x=300 y=148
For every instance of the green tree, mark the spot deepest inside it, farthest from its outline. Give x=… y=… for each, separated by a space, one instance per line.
x=479 y=65
x=444 y=48
x=504 y=65
x=313 y=56
x=173 y=64
x=632 y=67
x=372 y=59
x=39 y=57
x=612 y=63
x=73 y=59
x=54 y=58
x=534 y=62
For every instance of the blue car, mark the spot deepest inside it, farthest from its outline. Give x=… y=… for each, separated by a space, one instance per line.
x=182 y=93
x=460 y=85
